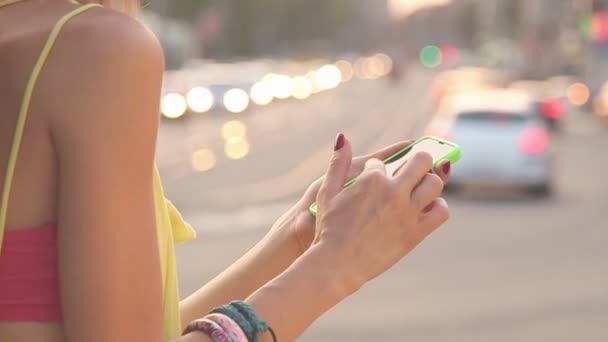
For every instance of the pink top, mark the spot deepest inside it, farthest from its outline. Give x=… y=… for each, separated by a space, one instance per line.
x=29 y=278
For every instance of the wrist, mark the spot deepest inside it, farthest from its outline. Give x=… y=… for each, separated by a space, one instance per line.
x=195 y=336
x=286 y=237
x=309 y=287
x=331 y=269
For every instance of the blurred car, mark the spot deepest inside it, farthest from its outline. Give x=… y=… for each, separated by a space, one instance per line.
x=552 y=109
x=550 y=100
x=503 y=140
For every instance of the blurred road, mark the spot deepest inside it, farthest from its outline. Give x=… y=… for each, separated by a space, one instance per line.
x=290 y=141
x=505 y=268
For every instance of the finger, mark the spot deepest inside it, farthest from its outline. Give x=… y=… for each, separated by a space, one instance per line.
x=374 y=165
x=337 y=171
x=414 y=170
x=311 y=192
x=435 y=217
x=427 y=191
x=359 y=162
x=357 y=165
x=443 y=170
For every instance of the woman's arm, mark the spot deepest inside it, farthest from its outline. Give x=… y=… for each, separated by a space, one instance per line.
x=362 y=231
x=290 y=236
x=104 y=125
x=294 y=299
x=267 y=259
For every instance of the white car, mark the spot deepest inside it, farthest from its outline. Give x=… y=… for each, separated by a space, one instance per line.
x=503 y=141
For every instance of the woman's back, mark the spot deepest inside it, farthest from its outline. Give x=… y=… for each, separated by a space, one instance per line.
x=88 y=117
x=24 y=29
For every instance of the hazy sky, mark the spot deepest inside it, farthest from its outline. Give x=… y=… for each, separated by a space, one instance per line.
x=402 y=8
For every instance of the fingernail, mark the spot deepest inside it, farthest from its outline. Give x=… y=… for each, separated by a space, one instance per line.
x=339 y=141
x=446 y=167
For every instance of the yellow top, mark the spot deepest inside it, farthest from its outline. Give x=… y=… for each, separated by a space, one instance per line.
x=171 y=227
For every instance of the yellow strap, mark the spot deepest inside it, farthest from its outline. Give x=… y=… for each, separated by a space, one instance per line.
x=8 y=2
x=25 y=105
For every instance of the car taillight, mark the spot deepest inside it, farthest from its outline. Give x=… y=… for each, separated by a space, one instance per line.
x=533 y=140
x=553 y=107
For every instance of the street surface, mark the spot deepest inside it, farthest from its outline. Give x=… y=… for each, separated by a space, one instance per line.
x=506 y=267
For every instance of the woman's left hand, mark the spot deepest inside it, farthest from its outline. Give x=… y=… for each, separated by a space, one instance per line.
x=299 y=224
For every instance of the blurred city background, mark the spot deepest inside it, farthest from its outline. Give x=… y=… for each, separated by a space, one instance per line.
x=255 y=92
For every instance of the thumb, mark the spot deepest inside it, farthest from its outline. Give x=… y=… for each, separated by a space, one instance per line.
x=337 y=171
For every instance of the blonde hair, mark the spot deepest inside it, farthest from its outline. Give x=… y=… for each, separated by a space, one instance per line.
x=130 y=7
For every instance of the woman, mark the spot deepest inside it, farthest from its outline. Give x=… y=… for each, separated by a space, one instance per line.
x=87 y=236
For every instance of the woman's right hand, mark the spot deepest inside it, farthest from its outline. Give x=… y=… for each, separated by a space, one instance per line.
x=372 y=224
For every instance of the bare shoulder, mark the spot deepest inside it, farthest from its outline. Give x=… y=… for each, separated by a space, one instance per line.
x=111 y=66
x=102 y=33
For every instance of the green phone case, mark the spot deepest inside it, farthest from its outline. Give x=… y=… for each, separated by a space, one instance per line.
x=453 y=156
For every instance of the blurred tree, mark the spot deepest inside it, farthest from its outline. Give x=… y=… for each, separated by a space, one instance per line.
x=469 y=24
x=510 y=18
x=253 y=27
x=187 y=9
x=258 y=27
x=297 y=22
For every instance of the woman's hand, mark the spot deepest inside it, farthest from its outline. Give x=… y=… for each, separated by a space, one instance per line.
x=376 y=221
x=361 y=231
x=300 y=224
x=290 y=236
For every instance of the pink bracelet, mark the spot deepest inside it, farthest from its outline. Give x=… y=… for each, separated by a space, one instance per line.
x=209 y=327
x=232 y=329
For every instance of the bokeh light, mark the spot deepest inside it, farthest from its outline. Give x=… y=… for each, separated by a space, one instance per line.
x=600 y=103
x=346 y=69
x=430 y=56
x=302 y=88
x=200 y=99
x=578 y=94
x=553 y=107
x=328 y=76
x=234 y=129
x=173 y=105
x=450 y=55
x=203 y=160
x=599 y=27
x=236 y=148
x=384 y=62
x=359 y=68
x=376 y=67
x=490 y=54
x=281 y=85
x=312 y=77
x=236 y=100
x=364 y=69
x=584 y=26
x=261 y=93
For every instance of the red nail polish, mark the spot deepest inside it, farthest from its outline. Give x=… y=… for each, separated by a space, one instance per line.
x=446 y=167
x=339 y=142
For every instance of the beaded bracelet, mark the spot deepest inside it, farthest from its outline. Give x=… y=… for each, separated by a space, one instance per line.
x=246 y=317
x=232 y=329
x=242 y=321
x=209 y=327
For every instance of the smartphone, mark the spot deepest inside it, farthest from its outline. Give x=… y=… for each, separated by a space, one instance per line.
x=438 y=148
